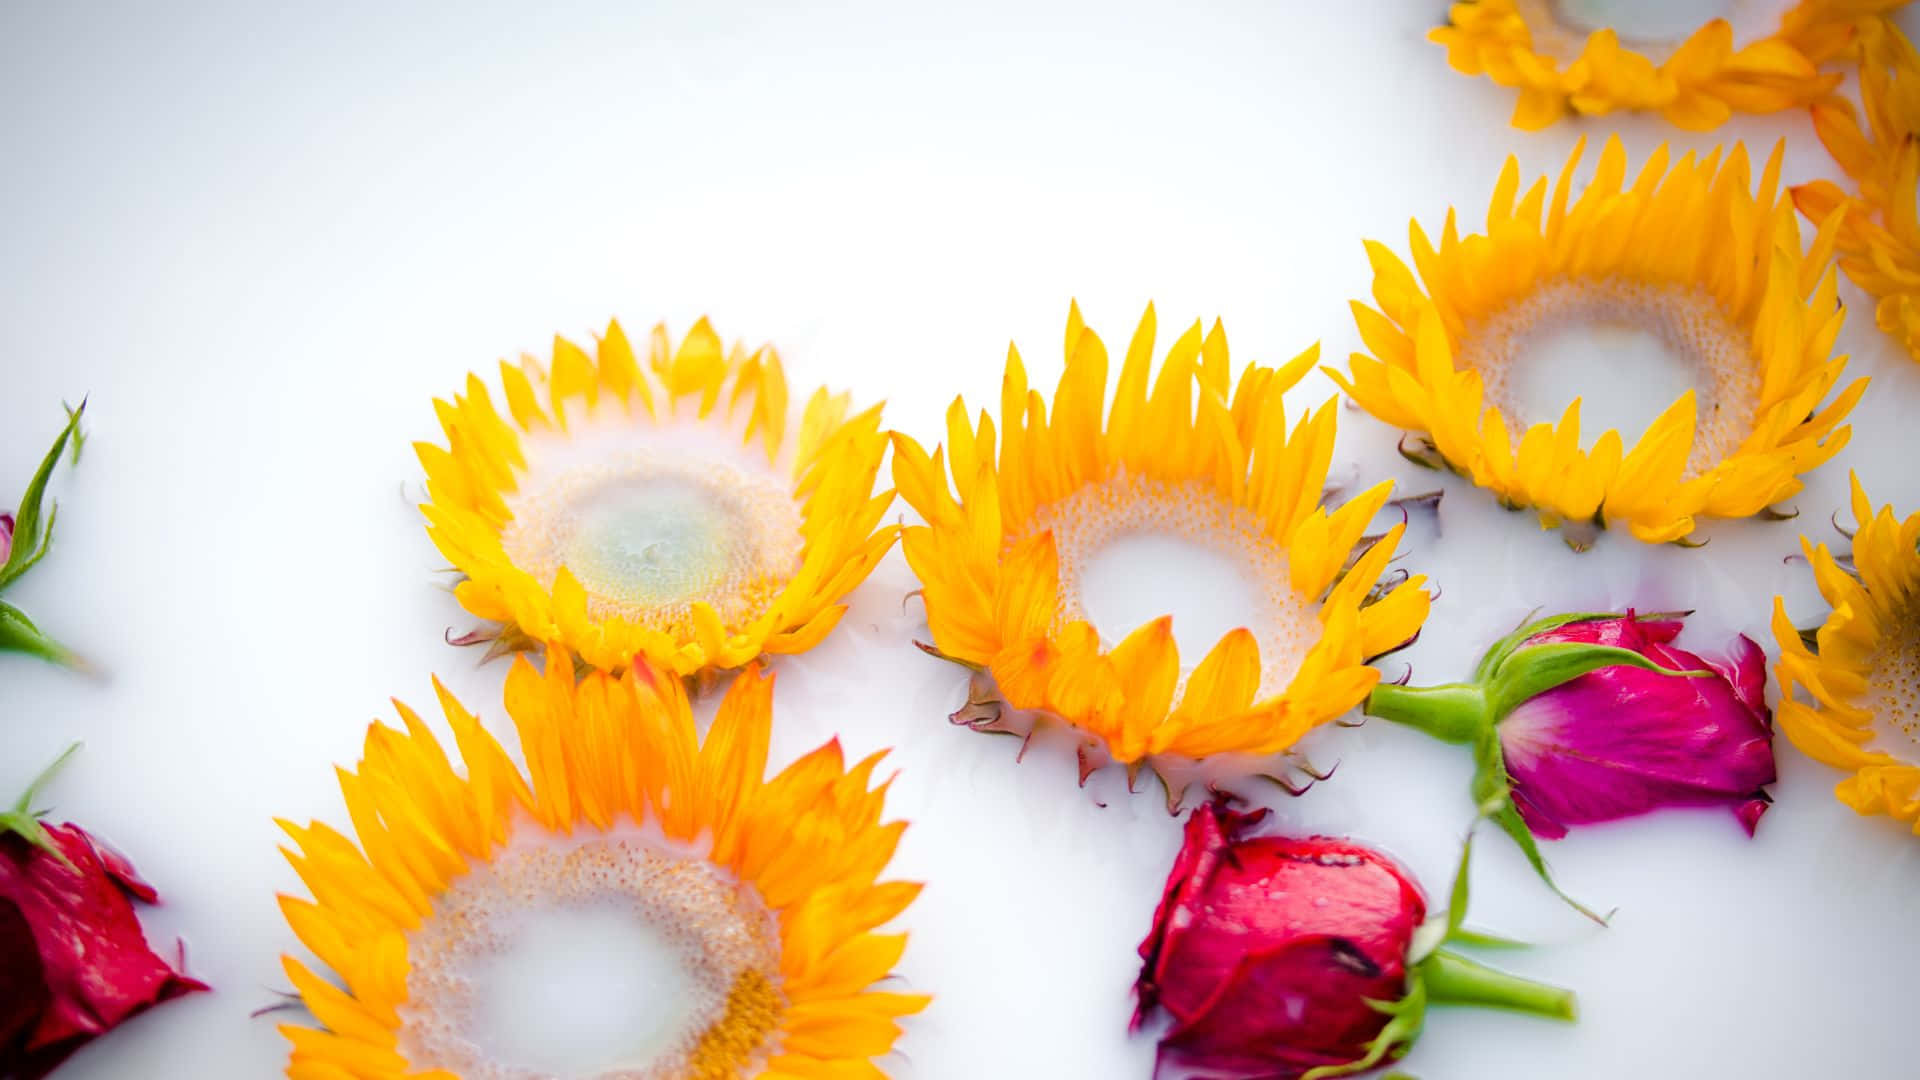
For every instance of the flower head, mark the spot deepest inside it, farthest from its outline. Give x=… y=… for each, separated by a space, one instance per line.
x=1580 y=719
x=1285 y=958
x=1694 y=78
x=664 y=510
x=74 y=963
x=1879 y=226
x=1688 y=253
x=1850 y=690
x=757 y=900
x=1187 y=453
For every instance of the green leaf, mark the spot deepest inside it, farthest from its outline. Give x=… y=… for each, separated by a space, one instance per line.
x=30 y=539
x=1407 y=1017
x=24 y=822
x=18 y=634
x=1537 y=669
x=1509 y=819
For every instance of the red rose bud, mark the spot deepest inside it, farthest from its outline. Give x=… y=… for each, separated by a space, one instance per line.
x=74 y=962
x=1586 y=718
x=1297 y=959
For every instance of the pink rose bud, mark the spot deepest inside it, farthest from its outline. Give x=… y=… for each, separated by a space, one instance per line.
x=1586 y=718
x=74 y=963
x=1297 y=959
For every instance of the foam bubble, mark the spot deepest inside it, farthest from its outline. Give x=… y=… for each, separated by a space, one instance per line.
x=614 y=957
x=1513 y=350
x=1092 y=523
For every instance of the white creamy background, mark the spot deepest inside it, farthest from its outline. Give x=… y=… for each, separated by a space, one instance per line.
x=262 y=240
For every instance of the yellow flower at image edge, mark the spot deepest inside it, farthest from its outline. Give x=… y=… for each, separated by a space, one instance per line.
x=1184 y=452
x=1689 y=254
x=1879 y=238
x=663 y=511
x=1564 y=60
x=765 y=894
x=1858 y=676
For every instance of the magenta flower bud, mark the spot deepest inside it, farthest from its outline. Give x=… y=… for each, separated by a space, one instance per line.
x=1289 y=958
x=1580 y=719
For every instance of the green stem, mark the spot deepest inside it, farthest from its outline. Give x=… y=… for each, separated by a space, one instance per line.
x=1454 y=979
x=1453 y=712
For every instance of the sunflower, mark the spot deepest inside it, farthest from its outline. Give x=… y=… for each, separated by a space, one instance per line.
x=1184 y=453
x=1688 y=255
x=660 y=511
x=1562 y=60
x=759 y=898
x=1879 y=236
x=1862 y=667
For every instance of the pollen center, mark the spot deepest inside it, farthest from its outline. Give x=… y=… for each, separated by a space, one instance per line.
x=1893 y=690
x=649 y=535
x=1133 y=549
x=613 y=958
x=1628 y=350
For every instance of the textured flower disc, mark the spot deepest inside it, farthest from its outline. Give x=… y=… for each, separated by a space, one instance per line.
x=1186 y=454
x=1879 y=237
x=1689 y=256
x=659 y=511
x=1859 y=682
x=1593 y=57
x=753 y=903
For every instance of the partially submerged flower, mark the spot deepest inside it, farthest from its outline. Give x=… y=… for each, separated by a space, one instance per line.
x=26 y=535
x=1187 y=453
x=1296 y=959
x=1850 y=691
x=1585 y=718
x=757 y=901
x=1691 y=254
x=74 y=963
x=1695 y=76
x=1879 y=238
x=671 y=509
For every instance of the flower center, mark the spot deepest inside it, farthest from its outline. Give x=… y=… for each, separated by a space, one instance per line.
x=1133 y=549
x=1893 y=690
x=649 y=534
x=1653 y=28
x=1627 y=349
x=613 y=958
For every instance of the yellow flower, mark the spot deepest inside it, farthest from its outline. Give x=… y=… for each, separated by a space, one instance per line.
x=762 y=896
x=661 y=510
x=1690 y=254
x=1186 y=452
x=1879 y=238
x=1696 y=80
x=1862 y=672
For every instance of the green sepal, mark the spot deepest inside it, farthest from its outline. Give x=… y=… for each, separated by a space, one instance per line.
x=1507 y=816
x=23 y=820
x=1536 y=669
x=1504 y=648
x=1406 y=1018
x=19 y=634
x=30 y=539
x=1480 y=939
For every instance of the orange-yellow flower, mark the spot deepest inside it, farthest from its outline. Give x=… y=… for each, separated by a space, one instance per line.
x=763 y=895
x=1858 y=677
x=1187 y=450
x=1696 y=79
x=1689 y=252
x=1879 y=237
x=659 y=510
